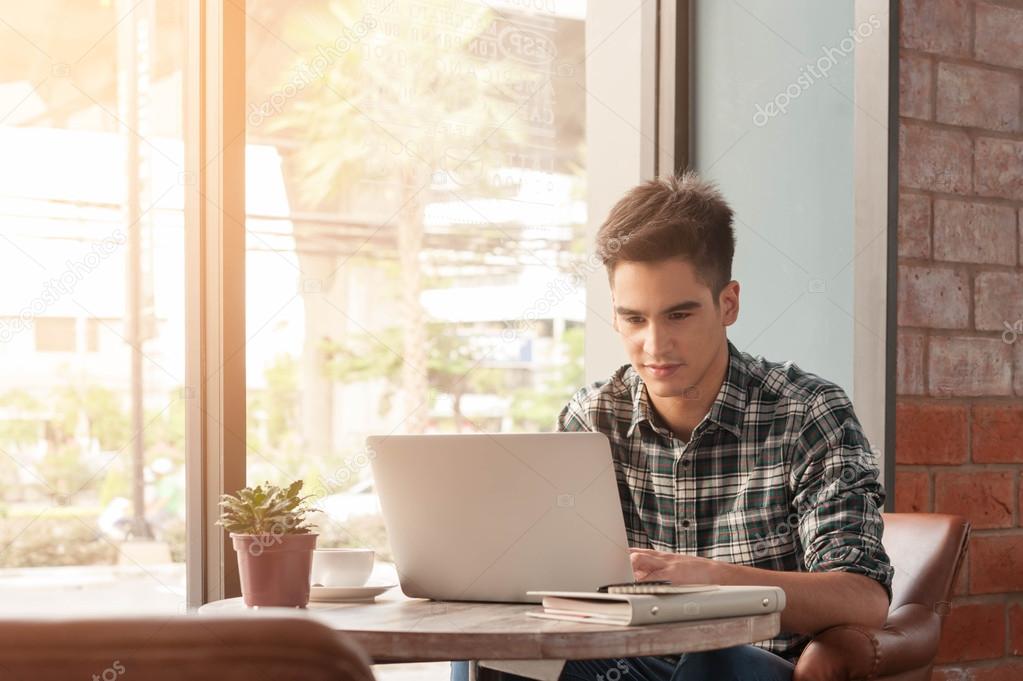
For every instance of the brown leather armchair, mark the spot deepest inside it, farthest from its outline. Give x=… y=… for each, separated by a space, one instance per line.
x=197 y=648
x=926 y=550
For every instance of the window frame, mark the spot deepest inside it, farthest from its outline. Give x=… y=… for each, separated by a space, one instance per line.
x=666 y=129
x=214 y=122
x=650 y=79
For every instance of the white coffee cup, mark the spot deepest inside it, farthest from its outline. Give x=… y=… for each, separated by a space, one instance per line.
x=342 y=567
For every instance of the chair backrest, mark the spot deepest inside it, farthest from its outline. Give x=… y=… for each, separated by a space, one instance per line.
x=193 y=647
x=926 y=550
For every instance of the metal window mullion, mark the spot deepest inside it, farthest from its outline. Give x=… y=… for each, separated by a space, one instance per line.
x=673 y=77
x=214 y=182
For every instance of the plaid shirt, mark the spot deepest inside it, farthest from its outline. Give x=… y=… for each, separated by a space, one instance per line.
x=777 y=475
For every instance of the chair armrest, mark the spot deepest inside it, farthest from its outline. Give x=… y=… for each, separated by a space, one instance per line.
x=848 y=652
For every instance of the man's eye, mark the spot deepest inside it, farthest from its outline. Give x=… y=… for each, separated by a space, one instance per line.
x=634 y=320
x=678 y=315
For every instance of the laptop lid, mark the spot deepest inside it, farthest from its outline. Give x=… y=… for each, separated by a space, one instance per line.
x=488 y=517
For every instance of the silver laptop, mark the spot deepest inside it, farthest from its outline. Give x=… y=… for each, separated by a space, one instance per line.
x=489 y=517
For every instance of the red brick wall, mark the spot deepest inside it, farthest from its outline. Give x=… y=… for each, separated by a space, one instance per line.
x=960 y=371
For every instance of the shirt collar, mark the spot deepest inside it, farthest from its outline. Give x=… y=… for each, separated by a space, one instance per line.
x=727 y=410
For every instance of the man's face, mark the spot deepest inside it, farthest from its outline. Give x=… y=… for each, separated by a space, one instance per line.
x=668 y=322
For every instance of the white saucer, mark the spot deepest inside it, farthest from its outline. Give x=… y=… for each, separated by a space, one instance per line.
x=335 y=594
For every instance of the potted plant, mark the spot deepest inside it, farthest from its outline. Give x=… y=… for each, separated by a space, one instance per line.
x=273 y=543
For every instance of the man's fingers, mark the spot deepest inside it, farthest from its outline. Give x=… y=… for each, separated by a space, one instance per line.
x=656 y=574
x=645 y=562
x=635 y=550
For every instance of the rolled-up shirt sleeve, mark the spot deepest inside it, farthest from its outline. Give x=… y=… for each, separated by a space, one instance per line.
x=837 y=494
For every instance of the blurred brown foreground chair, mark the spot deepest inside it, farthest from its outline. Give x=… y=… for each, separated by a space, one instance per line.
x=178 y=648
x=926 y=550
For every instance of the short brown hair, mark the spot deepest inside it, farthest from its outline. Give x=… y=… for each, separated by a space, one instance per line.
x=672 y=216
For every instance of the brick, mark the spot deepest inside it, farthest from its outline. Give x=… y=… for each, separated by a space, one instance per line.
x=916 y=86
x=972 y=631
x=995 y=563
x=974 y=232
x=1016 y=629
x=940 y=26
x=997 y=433
x=914 y=226
x=977 y=97
x=999 y=165
x=998 y=301
x=986 y=498
x=1003 y=670
x=909 y=364
x=935 y=160
x=969 y=367
x=935 y=297
x=930 y=433
x=912 y=492
x=999 y=39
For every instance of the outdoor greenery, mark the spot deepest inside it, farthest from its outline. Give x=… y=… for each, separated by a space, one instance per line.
x=425 y=124
x=53 y=537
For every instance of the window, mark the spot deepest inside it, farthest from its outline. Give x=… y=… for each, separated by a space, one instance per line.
x=411 y=231
x=416 y=188
x=91 y=431
x=416 y=245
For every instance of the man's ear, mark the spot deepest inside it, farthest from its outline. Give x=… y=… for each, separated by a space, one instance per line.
x=729 y=302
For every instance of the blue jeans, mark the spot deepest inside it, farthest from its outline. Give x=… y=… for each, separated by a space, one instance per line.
x=741 y=663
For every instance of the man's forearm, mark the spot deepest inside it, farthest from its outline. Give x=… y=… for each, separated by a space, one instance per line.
x=815 y=601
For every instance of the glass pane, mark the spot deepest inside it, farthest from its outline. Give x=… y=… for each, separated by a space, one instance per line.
x=91 y=238
x=416 y=188
x=770 y=119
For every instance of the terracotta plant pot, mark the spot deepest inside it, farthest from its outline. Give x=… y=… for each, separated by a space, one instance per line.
x=275 y=569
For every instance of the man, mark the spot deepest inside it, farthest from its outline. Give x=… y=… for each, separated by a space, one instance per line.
x=731 y=469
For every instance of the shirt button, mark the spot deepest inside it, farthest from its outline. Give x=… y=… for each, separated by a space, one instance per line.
x=685 y=524
x=685 y=462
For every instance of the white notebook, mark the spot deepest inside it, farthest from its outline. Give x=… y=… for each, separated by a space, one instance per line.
x=633 y=609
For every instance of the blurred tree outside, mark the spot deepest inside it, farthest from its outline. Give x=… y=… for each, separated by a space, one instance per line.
x=452 y=366
x=538 y=408
x=396 y=121
x=69 y=447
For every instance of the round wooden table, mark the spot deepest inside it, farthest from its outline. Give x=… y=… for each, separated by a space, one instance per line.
x=398 y=629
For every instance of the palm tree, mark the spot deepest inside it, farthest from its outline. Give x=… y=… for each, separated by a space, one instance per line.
x=393 y=121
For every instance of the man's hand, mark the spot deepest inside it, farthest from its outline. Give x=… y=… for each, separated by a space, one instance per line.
x=814 y=600
x=677 y=568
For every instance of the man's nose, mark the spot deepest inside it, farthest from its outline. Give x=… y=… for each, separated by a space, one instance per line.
x=657 y=342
